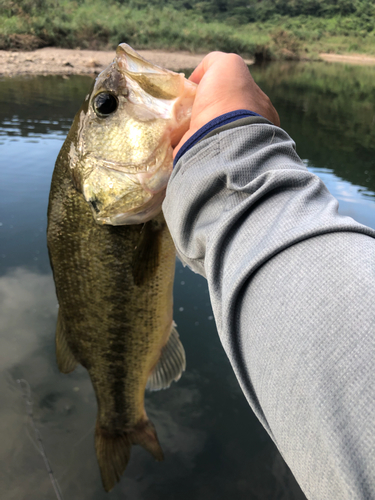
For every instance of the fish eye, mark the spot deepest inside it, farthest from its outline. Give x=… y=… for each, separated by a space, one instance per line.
x=105 y=104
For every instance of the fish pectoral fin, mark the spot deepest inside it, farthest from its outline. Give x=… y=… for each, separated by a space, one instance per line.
x=147 y=253
x=113 y=450
x=171 y=364
x=65 y=358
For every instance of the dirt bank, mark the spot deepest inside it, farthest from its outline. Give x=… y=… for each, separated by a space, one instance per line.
x=349 y=58
x=55 y=61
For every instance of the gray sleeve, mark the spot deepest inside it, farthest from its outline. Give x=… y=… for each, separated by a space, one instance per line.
x=292 y=285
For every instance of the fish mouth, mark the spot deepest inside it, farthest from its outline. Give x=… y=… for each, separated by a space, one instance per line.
x=121 y=198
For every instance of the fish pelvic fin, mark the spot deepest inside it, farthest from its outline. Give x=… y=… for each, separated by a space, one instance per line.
x=113 y=450
x=65 y=358
x=171 y=364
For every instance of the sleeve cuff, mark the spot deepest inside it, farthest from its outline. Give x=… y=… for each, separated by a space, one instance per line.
x=219 y=122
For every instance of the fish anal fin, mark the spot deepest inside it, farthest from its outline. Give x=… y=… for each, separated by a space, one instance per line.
x=113 y=450
x=147 y=253
x=65 y=358
x=171 y=364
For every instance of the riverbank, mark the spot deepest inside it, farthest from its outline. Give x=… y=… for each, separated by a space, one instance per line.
x=266 y=30
x=360 y=59
x=57 y=61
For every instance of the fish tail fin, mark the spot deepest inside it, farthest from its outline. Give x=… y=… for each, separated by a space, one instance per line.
x=113 y=450
x=113 y=453
x=145 y=435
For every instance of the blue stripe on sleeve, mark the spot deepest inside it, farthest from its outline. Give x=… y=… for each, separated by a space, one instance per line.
x=217 y=122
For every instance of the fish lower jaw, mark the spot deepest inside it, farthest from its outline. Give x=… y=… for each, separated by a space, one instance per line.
x=154 y=181
x=138 y=215
x=129 y=199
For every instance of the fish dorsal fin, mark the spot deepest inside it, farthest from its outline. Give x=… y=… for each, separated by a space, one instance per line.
x=171 y=364
x=65 y=358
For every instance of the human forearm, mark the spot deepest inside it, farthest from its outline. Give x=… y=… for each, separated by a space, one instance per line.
x=286 y=276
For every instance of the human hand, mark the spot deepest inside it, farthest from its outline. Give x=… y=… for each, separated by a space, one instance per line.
x=225 y=84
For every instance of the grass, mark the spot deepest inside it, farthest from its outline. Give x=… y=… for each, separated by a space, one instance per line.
x=102 y=25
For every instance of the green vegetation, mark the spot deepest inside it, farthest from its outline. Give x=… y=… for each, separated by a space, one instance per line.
x=289 y=29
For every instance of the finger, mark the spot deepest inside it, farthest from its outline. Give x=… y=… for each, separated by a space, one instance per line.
x=204 y=65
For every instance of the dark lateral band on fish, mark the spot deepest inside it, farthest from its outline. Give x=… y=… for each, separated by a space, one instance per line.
x=112 y=256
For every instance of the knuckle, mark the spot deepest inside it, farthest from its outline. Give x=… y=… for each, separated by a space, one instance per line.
x=235 y=58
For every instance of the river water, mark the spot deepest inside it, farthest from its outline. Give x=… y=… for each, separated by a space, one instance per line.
x=214 y=446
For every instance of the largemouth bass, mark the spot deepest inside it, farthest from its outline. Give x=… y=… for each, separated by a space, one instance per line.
x=114 y=282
